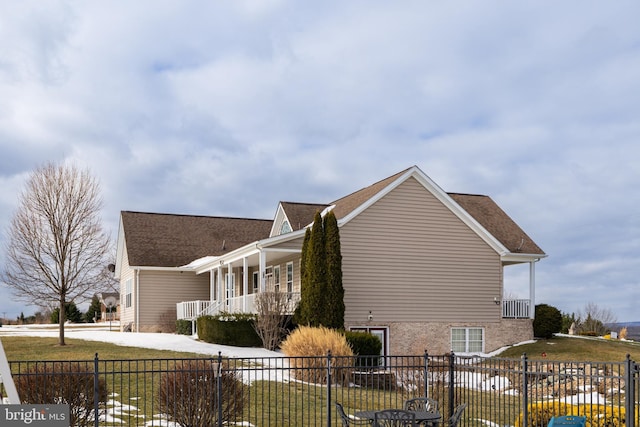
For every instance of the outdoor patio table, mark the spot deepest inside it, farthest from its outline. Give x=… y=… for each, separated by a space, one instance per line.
x=421 y=416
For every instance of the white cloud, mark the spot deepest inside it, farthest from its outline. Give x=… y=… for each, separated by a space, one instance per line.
x=226 y=108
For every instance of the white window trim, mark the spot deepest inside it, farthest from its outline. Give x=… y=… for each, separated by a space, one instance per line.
x=466 y=338
x=128 y=293
x=255 y=277
x=276 y=277
x=289 y=269
x=230 y=285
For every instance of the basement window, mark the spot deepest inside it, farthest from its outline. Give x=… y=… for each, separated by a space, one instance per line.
x=467 y=340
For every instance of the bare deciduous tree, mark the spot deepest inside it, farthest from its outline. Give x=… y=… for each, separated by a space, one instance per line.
x=593 y=318
x=273 y=310
x=56 y=245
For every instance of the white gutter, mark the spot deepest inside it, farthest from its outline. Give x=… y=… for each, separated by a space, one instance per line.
x=149 y=268
x=251 y=249
x=520 y=257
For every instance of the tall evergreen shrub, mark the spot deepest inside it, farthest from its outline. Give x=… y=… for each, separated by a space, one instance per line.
x=334 y=310
x=303 y=310
x=548 y=321
x=322 y=293
x=315 y=275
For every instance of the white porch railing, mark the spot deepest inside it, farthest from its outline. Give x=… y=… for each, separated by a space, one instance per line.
x=191 y=310
x=237 y=304
x=516 y=308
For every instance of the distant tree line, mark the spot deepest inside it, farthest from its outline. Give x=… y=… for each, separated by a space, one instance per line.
x=72 y=314
x=592 y=320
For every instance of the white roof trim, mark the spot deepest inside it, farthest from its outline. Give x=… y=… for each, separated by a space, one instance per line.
x=154 y=268
x=119 y=249
x=443 y=197
x=520 y=257
x=201 y=261
x=248 y=250
x=278 y=219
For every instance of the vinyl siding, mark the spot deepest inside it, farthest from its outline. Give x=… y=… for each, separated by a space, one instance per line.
x=409 y=258
x=161 y=290
x=127 y=315
x=295 y=259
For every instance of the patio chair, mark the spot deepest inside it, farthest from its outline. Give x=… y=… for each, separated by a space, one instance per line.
x=421 y=404
x=455 y=418
x=348 y=420
x=394 y=418
x=426 y=404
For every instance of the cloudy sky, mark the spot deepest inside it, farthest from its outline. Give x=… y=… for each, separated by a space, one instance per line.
x=226 y=108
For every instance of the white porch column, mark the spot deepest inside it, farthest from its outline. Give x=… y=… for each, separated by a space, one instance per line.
x=229 y=292
x=219 y=284
x=212 y=286
x=245 y=283
x=532 y=289
x=263 y=263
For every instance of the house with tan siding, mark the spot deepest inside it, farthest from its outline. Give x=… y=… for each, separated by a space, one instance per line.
x=422 y=269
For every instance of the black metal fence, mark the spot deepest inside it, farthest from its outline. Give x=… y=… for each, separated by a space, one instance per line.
x=301 y=391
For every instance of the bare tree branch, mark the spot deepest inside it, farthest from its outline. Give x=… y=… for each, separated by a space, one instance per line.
x=57 y=249
x=593 y=318
x=273 y=310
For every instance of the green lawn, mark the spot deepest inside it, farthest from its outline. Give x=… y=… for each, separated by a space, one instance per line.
x=20 y=348
x=577 y=350
x=273 y=402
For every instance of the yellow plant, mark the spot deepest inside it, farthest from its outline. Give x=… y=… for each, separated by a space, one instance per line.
x=623 y=333
x=306 y=343
x=596 y=415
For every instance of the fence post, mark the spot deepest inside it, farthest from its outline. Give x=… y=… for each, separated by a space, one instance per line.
x=426 y=374
x=219 y=388
x=329 y=388
x=96 y=391
x=525 y=393
x=452 y=382
x=630 y=374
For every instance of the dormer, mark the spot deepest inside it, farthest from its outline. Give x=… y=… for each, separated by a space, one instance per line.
x=294 y=216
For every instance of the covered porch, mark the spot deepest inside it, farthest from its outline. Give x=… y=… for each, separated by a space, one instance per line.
x=519 y=278
x=237 y=278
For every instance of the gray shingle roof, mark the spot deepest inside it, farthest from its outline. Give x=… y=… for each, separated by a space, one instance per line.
x=301 y=214
x=168 y=240
x=347 y=204
x=500 y=225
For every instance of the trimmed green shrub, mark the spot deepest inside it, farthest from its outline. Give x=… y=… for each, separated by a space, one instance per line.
x=184 y=327
x=365 y=344
x=548 y=321
x=229 y=329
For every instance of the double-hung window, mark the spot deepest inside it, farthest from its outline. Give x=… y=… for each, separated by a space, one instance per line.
x=467 y=340
x=256 y=281
x=290 y=277
x=128 y=293
x=276 y=278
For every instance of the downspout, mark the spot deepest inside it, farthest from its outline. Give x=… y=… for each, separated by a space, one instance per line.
x=137 y=318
